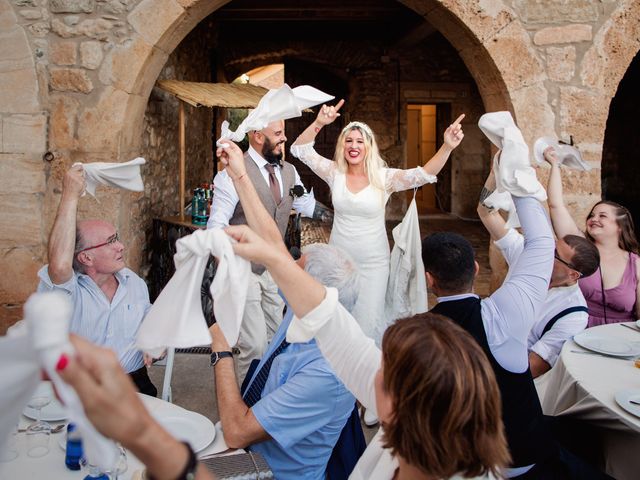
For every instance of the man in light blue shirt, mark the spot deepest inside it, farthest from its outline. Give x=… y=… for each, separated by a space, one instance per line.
x=86 y=261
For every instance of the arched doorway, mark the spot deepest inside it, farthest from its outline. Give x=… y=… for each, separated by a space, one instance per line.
x=621 y=149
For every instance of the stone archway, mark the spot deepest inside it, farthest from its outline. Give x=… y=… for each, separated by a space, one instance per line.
x=23 y=126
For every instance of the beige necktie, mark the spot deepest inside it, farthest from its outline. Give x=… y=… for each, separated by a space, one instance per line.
x=274 y=185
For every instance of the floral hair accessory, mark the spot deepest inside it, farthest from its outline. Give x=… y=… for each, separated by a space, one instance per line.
x=360 y=126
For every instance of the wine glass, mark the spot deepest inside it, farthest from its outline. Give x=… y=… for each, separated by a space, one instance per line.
x=38 y=433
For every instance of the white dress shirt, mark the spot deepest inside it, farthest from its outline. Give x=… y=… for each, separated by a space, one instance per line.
x=548 y=346
x=225 y=197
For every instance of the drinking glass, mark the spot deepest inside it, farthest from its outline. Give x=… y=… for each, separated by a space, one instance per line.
x=10 y=451
x=38 y=433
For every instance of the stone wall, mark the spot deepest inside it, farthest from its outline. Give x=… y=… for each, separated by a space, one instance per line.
x=77 y=76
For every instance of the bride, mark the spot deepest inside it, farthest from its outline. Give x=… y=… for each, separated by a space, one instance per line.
x=361 y=183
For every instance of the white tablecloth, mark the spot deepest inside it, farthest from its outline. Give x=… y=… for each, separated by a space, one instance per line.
x=52 y=465
x=583 y=386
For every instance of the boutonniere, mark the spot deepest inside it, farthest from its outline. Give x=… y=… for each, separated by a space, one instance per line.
x=297 y=191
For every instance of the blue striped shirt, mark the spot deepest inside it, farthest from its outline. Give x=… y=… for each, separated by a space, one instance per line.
x=112 y=324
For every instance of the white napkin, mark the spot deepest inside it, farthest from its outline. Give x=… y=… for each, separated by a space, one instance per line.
x=121 y=175
x=512 y=168
x=176 y=319
x=36 y=345
x=277 y=104
x=567 y=155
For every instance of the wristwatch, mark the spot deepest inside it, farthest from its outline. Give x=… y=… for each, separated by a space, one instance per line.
x=216 y=356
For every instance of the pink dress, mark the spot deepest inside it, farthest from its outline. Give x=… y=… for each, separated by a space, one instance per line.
x=620 y=300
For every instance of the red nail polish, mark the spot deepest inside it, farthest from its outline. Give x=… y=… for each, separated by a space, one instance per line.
x=63 y=361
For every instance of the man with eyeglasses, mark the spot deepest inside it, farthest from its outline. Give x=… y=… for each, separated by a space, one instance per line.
x=86 y=261
x=564 y=312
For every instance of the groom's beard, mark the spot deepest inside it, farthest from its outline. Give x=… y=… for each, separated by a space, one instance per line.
x=269 y=154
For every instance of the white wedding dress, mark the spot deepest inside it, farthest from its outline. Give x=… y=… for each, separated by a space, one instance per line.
x=359 y=229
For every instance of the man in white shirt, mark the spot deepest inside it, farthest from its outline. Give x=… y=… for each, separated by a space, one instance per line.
x=564 y=312
x=274 y=180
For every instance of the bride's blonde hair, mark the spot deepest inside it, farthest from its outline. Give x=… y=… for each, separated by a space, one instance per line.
x=373 y=162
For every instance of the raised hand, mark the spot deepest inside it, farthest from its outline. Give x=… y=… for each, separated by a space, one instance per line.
x=232 y=158
x=74 y=182
x=453 y=135
x=550 y=156
x=328 y=114
x=252 y=246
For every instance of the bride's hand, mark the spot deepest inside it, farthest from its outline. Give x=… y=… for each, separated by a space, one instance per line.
x=328 y=114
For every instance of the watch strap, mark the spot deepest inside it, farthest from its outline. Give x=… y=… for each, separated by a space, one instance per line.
x=217 y=356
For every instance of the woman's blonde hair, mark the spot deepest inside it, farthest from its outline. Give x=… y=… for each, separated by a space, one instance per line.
x=447 y=412
x=373 y=162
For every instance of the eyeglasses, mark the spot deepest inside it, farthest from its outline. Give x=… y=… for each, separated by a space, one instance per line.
x=110 y=241
x=571 y=266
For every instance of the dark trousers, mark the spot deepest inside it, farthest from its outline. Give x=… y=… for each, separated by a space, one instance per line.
x=141 y=378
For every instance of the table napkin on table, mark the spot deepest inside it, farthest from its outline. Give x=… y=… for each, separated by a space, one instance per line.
x=175 y=318
x=512 y=166
x=37 y=344
x=277 y=104
x=121 y=175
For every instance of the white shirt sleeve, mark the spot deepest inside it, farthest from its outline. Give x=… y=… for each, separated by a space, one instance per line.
x=352 y=355
x=223 y=204
x=549 y=346
x=511 y=246
x=510 y=312
x=306 y=203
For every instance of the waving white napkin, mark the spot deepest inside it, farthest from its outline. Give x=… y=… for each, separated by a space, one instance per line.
x=277 y=104
x=38 y=344
x=121 y=175
x=512 y=167
x=176 y=319
x=568 y=155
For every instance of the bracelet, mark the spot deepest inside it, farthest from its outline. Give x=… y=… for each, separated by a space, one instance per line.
x=189 y=470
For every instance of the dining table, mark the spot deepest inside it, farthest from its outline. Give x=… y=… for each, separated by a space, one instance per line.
x=205 y=438
x=597 y=379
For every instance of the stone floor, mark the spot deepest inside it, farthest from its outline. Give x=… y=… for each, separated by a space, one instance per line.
x=192 y=380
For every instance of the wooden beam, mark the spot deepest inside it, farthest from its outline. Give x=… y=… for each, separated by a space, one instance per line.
x=183 y=150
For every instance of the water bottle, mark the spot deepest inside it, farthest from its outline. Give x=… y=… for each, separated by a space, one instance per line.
x=74 y=448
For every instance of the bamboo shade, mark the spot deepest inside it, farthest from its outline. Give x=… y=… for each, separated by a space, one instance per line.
x=226 y=95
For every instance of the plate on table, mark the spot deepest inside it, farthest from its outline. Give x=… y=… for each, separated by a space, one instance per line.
x=613 y=346
x=187 y=426
x=53 y=412
x=624 y=397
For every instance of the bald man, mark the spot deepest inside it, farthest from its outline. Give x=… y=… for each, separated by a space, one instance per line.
x=86 y=261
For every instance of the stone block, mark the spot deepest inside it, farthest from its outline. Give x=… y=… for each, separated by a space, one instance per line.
x=62 y=124
x=70 y=80
x=554 y=11
x=153 y=18
x=63 y=53
x=583 y=114
x=97 y=29
x=72 y=6
x=91 y=54
x=579 y=182
x=24 y=134
x=100 y=127
x=15 y=52
x=515 y=57
x=8 y=18
x=115 y=7
x=561 y=63
x=9 y=314
x=39 y=29
x=21 y=174
x=63 y=29
x=19 y=92
x=21 y=220
x=532 y=112
x=19 y=279
x=565 y=34
x=30 y=14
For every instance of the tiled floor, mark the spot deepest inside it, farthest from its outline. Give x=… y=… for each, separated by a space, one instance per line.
x=193 y=383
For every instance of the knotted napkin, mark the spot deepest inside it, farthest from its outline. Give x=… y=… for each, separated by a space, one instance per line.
x=511 y=165
x=568 y=155
x=176 y=318
x=277 y=104
x=121 y=175
x=36 y=344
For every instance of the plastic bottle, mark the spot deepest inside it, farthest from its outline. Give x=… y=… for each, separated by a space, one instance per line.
x=74 y=448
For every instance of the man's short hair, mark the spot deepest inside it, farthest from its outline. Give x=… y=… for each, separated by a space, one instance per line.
x=333 y=267
x=586 y=257
x=450 y=260
x=80 y=244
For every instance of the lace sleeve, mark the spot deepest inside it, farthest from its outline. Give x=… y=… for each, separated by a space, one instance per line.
x=323 y=167
x=397 y=179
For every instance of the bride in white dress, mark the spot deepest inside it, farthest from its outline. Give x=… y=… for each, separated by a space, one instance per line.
x=360 y=185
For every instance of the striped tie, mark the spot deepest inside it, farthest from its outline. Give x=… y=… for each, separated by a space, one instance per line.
x=254 y=392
